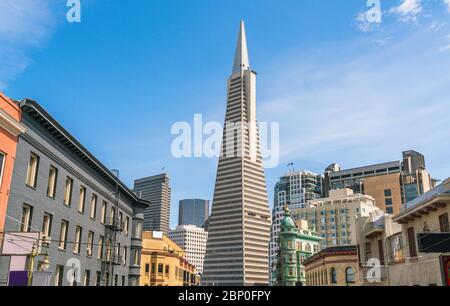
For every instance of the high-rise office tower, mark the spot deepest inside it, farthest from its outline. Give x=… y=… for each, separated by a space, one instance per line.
x=155 y=189
x=193 y=212
x=237 y=251
x=192 y=240
x=293 y=190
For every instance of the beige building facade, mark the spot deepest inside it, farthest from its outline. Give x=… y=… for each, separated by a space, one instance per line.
x=426 y=215
x=335 y=266
x=333 y=218
x=386 y=190
x=379 y=244
x=401 y=244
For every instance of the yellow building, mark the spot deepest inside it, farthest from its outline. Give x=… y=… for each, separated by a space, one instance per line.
x=335 y=266
x=163 y=262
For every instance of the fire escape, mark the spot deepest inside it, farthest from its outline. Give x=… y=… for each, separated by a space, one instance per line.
x=113 y=225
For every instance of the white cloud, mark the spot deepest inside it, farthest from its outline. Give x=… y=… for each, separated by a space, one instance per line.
x=408 y=10
x=24 y=24
x=358 y=108
x=447 y=3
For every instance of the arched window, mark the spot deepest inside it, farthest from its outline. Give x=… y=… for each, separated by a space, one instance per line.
x=308 y=248
x=333 y=276
x=349 y=276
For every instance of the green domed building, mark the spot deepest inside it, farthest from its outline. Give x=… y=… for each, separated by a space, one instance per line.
x=296 y=243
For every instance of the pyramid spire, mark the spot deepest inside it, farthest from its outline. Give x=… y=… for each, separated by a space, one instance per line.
x=241 y=61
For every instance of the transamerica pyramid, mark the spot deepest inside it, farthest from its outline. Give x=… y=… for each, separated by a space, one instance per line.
x=239 y=226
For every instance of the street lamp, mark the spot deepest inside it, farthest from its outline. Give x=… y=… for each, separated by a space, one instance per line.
x=43 y=265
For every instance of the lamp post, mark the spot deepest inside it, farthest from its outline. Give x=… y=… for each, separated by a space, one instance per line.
x=43 y=266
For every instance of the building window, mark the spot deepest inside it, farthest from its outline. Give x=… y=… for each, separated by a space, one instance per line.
x=81 y=200
x=112 y=215
x=389 y=210
x=90 y=244
x=59 y=275
x=93 y=206
x=290 y=244
x=101 y=242
x=368 y=249
x=77 y=245
x=135 y=257
x=388 y=193
x=138 y=230
x=443 y=223
x=104 y=208
x=98 y=278
x=123 y=280
x=349 y=276
x=52 y=179
x=167 y=272
x=47 y=228
x=412 y=242
x=87 y=278
x=127 y=225
x=160 y=268
x=2 y=166
x=27 y=214
x=333 y=276
x=116 y=280
x=33 y=167
x=63 y=234
x=381 y=251
x=388 y=202
x=68 y=192
x=147 y=268
x=125 y=254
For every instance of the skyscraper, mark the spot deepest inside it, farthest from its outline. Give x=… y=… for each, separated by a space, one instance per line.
x=293 y=190
x=192 y=240
x=155 y=189
x=239 y=226
x=193 y=212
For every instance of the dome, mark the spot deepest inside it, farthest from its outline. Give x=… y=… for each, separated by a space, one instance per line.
x=287 y=223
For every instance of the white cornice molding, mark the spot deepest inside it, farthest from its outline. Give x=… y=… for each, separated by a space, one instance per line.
x=10 y=124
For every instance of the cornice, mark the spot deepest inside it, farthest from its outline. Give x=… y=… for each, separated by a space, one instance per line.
x=10 y=124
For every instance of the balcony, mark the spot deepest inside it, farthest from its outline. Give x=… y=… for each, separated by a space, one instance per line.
x=115 y=259
x=115 y=224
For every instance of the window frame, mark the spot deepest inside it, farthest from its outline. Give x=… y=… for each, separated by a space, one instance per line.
x=63 y=238
x=350 y=278
x=68 y=193
x=90 y=244
x=82 y=200
x=333 y=275
x=47 y=229
x=94 y=201
x=36 y=171
x=53 y=185
x=2 y=166
x=29 y=219
x=444 y=227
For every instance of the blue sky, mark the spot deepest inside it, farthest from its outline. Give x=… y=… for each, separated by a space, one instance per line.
x=344 y=90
